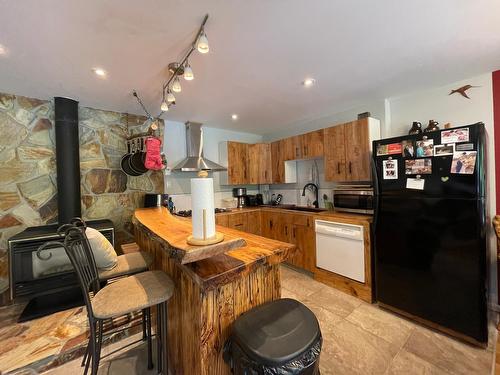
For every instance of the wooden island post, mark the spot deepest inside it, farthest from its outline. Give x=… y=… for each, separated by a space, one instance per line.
x=213 y=285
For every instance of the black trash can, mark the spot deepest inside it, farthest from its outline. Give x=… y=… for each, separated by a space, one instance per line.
x=279 y=337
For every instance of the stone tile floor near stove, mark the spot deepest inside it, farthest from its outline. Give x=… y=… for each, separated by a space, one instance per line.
x=359 y=338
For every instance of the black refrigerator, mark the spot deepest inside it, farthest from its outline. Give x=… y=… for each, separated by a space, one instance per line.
x=430 y=228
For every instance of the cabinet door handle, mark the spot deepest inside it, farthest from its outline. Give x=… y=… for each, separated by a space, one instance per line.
x=338 y=168
x=238 y=225
x=293 y=232
x=271 y=224
x=286 y=230
x=350 y=168
x=296 y=152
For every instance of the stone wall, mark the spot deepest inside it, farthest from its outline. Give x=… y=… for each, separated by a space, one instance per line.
x=28 y=188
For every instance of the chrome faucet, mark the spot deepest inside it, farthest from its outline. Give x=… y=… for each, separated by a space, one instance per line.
x=315 y=203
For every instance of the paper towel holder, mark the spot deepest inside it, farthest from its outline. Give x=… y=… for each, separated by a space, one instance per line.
x=216 y=238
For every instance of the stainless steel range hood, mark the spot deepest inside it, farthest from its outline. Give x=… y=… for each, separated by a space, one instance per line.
x=194 y=146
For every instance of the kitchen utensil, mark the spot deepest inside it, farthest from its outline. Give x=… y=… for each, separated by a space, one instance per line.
x=279 y=197
x=138 y=157
x=125 y=162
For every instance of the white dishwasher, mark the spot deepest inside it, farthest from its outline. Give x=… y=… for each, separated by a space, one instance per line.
x=340 y=248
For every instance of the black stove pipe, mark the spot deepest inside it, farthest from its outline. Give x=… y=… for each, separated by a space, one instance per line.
x=67 y=159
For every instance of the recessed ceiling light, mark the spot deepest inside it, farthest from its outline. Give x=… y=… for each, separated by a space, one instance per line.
x=3 y=50
x=234 y=116
x=100 y=72
x=309 y=82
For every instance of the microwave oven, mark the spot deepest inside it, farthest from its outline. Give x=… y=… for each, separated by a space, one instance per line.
x=354 y=199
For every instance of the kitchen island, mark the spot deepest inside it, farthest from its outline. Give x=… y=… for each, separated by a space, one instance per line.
x=211 y=292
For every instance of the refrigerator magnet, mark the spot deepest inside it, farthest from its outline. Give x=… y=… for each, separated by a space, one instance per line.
x=463 y=162
x=444 y=150
x=418 y=166
x=425 y=148
x=408 y=148
x=455 y=135
x=390 y=169
x=390 y=149
x=464 y=147
x=415 y=183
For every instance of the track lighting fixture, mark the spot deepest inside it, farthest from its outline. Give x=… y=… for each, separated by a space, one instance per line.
x=188 y=72
x=170 y=96
x=176 y=86
x=202 y=45
x=181 y=68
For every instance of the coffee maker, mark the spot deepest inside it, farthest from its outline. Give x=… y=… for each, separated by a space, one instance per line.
x=240 y=194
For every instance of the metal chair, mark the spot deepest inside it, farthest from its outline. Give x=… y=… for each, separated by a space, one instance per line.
x=144 y=290
x=127 y=264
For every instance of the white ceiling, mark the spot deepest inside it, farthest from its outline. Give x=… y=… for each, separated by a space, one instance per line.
x=261 y=50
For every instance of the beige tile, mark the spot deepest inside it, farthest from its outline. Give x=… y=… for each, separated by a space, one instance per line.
x=349 y=349
x=302 y=285
x=386 y=325
x=327 y=319
x=448 y=353
x=335 y=301
x=285 y=293
x=409 y=364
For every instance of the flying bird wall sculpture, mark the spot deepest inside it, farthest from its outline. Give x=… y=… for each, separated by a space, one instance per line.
x=462 y=90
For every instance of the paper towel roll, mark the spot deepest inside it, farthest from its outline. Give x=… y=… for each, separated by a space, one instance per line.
x=202 y=198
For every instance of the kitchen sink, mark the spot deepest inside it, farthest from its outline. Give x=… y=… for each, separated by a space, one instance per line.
x=297 y=208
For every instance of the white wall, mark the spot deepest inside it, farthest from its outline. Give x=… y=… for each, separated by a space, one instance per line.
x=174 y=147
x=436 y=104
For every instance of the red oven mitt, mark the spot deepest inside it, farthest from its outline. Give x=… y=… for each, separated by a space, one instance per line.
x=153 y=156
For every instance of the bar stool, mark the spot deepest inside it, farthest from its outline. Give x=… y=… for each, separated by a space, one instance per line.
x=127 y=264
x=126 y=295
x=277 y=337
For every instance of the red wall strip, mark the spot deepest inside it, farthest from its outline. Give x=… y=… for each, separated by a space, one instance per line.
x=496 y=116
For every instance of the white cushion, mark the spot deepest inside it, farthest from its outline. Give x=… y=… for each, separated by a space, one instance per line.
x=104 y=253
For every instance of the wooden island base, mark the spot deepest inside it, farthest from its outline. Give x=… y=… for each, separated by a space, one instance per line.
x=201 y=311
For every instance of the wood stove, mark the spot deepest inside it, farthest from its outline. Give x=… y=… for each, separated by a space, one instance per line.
x=51 y=285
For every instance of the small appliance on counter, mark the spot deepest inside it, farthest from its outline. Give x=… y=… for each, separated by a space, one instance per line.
x=354 y=198
x=254 y=200
x=240 y=194
x=156 y=200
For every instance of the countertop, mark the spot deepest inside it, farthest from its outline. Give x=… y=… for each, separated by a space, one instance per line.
x=208 y=267
x=324 y=215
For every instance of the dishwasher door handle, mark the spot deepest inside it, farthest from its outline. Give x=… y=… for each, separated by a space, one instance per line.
x=354 y=232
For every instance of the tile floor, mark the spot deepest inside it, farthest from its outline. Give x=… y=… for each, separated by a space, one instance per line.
x=359 y=338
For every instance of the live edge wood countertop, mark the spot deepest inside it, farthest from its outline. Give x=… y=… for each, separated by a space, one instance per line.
x=209 y=266
x=212 y=288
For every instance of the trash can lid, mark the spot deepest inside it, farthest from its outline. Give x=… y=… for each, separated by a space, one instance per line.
x=276 y=332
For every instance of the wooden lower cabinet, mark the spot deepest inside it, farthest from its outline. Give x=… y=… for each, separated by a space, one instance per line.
x=254 y=222
x=222 y=220
x=238 y=221
x=305 y=254
x=286 y=227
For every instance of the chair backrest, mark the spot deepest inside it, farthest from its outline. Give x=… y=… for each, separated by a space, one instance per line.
x=80 y=254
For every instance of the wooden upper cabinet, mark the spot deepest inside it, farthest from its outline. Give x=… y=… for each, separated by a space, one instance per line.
x=335 y=153
x=312 y=144
x=292 y=148
x=259 y=163
x=357 y=143
x=278 y=162
x=347 y=152
x=237 y=161
x=253 y=164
